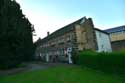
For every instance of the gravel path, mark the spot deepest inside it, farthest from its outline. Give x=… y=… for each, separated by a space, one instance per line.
x=30 y=67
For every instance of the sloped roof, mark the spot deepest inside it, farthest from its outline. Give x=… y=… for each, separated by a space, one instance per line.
x=62 y=30
x=101 y=30
x=116 y=29
x=38 y=42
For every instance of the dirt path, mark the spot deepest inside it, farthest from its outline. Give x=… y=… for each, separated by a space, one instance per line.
x=30 y=67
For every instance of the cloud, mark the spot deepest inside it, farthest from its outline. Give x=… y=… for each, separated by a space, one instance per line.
x=19 y=1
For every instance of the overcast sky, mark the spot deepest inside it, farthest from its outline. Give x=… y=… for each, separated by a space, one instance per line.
x=50 y=15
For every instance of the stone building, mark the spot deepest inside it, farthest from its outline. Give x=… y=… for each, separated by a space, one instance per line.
x=77 y=36
x=117 y=35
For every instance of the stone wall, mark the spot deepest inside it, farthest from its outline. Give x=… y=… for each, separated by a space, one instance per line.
x=118 y=45
x=117 y=36
x=85 y=34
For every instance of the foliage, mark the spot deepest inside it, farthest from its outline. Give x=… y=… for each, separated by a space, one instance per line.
x=16 y=43
x=113 y=62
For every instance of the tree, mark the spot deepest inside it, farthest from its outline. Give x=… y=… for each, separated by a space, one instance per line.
x=16 y=43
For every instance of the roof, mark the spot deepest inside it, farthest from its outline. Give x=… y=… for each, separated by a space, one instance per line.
x=116 y=29
x=62 y=30
x=101 y=30
x=38 y=42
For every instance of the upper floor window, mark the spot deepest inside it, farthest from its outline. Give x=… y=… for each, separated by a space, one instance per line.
x=68 y=38
x=100 y=34
x=61 y=40
x=118 y=33
x=123 y=32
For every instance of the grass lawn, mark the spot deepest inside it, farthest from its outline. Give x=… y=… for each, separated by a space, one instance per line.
x=63 y=74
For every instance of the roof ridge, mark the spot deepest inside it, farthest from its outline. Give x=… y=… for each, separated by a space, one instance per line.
x=116 y=27
x=66 y=26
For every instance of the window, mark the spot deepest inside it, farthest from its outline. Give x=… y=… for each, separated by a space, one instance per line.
x=100 y=34
x=61 y=40
x=68 y=38
x=123 y=32
x=102 y=46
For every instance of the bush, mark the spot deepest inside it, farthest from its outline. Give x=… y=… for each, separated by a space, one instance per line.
x=107 y=62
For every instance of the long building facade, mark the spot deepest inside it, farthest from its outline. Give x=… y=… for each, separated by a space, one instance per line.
x=117 y=35
x=77 y=36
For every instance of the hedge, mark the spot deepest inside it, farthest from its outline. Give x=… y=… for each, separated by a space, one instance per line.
x=107 y=62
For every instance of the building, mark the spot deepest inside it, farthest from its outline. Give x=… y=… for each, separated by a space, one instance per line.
x=103 y=41
x=117 y=33
x=77 y=36
x=117 y=36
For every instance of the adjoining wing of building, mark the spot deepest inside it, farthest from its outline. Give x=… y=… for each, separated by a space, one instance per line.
x=117 y=35
x=78 y=36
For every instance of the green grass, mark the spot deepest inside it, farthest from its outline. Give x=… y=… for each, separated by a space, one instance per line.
x=63 y=74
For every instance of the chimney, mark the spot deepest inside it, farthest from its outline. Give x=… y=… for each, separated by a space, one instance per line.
x=48 y=33
x=91 y=22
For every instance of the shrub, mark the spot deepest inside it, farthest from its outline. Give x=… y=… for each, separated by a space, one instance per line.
x=107 y=62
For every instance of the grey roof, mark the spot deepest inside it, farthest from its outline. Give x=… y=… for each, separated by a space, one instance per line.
x=61 y=31
x=116 y=29
x=101 y=30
